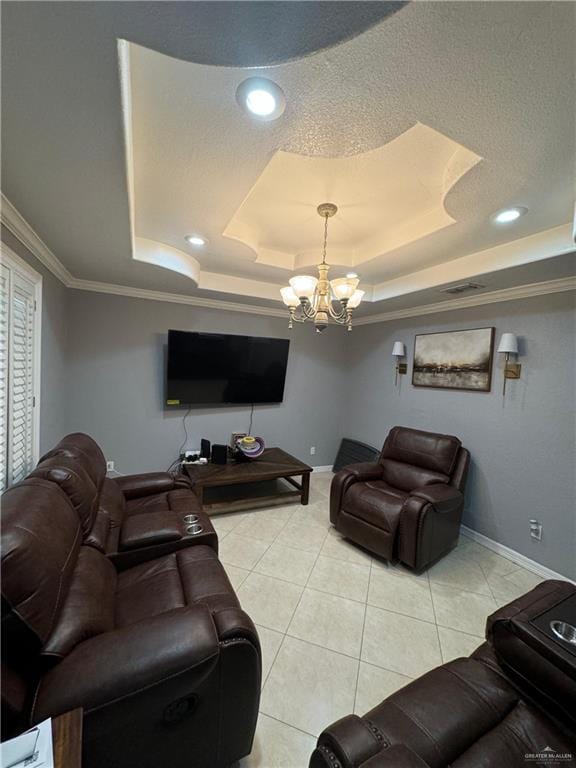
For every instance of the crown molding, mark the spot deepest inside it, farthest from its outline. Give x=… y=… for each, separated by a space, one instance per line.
x=174 y=298
x=493 y=297
x=20 y=228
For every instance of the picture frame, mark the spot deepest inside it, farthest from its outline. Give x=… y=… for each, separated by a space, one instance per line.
x=458 y=360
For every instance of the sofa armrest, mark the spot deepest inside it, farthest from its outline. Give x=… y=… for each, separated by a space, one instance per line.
x=125 y=662
x=135 y=486
x=352 y=740
x=396 y=756
x=429 y=524
x=353 y=473
x=541 y=666
x=444 y=498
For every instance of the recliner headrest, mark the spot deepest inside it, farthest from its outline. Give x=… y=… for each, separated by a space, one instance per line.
x=84 y=449
x=422 y=449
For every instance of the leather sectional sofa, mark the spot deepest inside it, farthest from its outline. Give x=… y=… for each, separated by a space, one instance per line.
x=146 y=634
x=408 y=505
x=512 y=700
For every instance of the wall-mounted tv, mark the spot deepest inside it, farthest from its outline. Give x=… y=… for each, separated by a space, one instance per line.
x=221 y=369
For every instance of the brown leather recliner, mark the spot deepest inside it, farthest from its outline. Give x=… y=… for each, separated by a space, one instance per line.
x=161 y=657
x=132 y=518
x=407 y=506
x=514 y=698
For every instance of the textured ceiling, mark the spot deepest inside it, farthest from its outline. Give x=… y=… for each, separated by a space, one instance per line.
x=497 y=78
x=387 y=197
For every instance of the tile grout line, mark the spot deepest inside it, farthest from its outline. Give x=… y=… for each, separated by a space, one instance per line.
x=362 y=637
x=435 y=617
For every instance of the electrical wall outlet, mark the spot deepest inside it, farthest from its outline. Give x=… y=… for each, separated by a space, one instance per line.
x=110 y=466
x=312 y=450
x=536 y=530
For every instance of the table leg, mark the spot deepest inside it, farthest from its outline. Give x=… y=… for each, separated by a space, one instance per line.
x=305 y=488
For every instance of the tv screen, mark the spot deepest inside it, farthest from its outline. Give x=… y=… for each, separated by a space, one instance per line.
x=220 y=369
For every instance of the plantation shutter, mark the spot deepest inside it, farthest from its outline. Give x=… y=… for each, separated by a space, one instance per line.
x=21 y=415
x=4 y=314
x=18 y=377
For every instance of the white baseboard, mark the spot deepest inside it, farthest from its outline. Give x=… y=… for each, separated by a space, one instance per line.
x=511 y=554
x=325 y=468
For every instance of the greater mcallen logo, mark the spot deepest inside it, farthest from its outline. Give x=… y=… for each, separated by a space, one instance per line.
x=548 y=756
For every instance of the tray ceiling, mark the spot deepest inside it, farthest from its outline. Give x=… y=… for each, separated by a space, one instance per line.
x=419 y=126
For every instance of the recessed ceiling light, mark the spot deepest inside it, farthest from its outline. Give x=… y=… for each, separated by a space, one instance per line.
x=351 y=275
x=261 y=98
x=508 y=215
x=195 y=240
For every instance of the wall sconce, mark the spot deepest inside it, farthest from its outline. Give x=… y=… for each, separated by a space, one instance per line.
x=509 y=346
x=399 y=351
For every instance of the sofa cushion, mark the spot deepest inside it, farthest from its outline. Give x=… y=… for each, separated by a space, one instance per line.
x=179 y=500
x=152 y=528
x=193 y=575
x=88 y=607
x=375 y=504
x=422 y=449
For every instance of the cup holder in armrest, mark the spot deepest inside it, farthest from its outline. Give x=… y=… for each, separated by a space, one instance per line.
x=564 y=631
x=194 y=529
x=190 y=519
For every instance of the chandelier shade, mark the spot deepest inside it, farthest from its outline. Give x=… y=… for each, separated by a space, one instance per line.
x=357 y=297
x=289 y=297
x=344 y=287
x=303 y=286
x=317 y=299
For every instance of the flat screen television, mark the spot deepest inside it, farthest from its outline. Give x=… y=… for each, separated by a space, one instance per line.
x=221 y=369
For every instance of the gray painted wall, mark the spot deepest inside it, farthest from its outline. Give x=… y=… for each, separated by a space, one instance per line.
x=116 y=373
x=54 y=339
x=523 y=445
x=102 y=373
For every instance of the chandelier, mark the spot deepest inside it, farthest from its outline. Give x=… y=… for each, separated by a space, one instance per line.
x=317 y=299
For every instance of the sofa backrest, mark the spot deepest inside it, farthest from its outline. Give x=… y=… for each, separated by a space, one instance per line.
x=85 y=450
x=71 y=476
x=40 y=542
x=412 y=458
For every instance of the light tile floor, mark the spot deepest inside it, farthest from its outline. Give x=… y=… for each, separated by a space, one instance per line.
x=341 y=630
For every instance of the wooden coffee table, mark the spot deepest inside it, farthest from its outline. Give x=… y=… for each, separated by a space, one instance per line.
x=274 y=464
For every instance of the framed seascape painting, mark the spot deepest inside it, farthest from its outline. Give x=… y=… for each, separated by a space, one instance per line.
x=454 y=359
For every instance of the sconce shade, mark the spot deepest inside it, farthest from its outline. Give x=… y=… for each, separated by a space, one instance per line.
x=398 y=350
x=508 y=343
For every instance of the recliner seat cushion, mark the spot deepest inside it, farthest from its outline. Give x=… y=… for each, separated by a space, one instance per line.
x=193 y=575
x=180 y=500
x=374 y=503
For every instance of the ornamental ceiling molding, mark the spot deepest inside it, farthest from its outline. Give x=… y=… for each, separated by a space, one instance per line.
x=19 y=227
